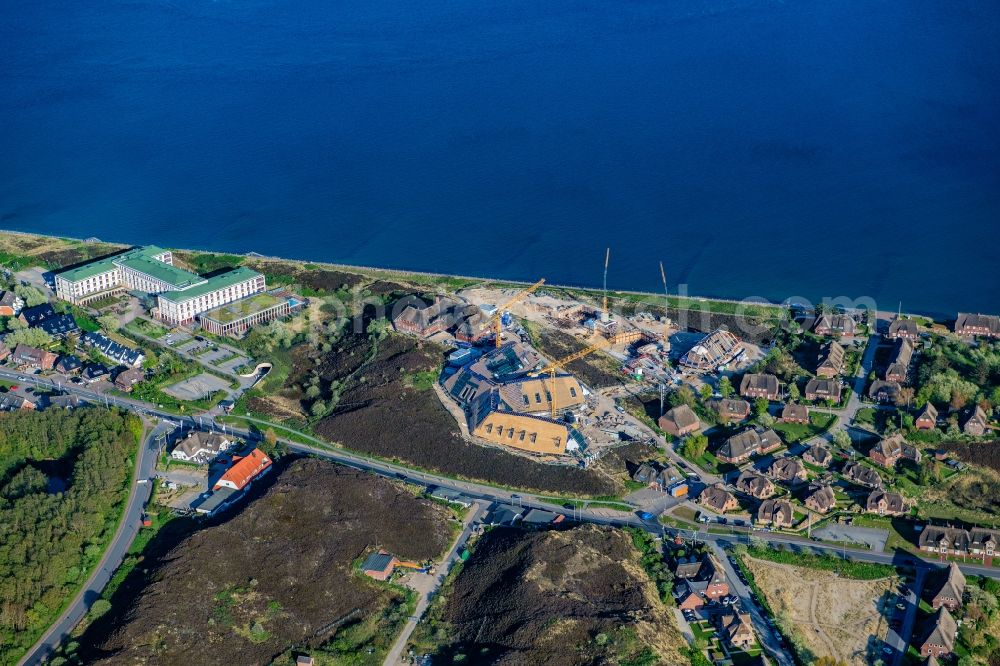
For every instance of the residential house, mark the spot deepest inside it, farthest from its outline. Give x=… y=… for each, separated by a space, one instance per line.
x=718 y=499
x=688 y=568
x=891 y=450
x=45 y=317
x=792 y=413
x=976 y=324
x=379 y=565
x=820 y=498
x=831 y=361
x=951 y=591
x=817 y=455
x=905 y=329
x=680 y=421
x=32 y=358
x=470 y=323
x=501 y=515
x=899 y=362
x=420 y=318
x=752 y=441
x=759 y=386
x=754 y=484
x=789 y=470
x=304 y=660
x=731 y=409
x=10 y=304
x=244 y=470
x=927 y=419
x=776 y=512
x=944 y=540
x=64 y=401
x=975 y=424
x=68 y=364
x=128 y=378
x=885 y=392
x=984 y=543
x=823 y=389
x=11 y=402
x=885 y=503
x=95 y=372
x=654 y=474
x=713 y=351
x=835 y=324
x=4 y=352
x=541 y=517
x=118 y=353
x=863 y=475
x=200 y=447
x=940 y=641
x=737 y=630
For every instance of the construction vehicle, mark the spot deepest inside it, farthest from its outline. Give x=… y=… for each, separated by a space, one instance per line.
x=496 y=321
x=604 y=304
x=666 y=311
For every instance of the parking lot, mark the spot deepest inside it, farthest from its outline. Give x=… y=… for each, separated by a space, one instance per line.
x=197 y=387
x=866 y=536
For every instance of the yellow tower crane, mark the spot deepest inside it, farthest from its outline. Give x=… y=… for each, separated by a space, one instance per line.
x=666 y=310
x=555 y=366
x=495 y=322
x=604 y=303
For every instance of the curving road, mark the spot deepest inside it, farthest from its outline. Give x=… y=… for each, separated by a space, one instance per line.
x=474 y=491
x=114 y=554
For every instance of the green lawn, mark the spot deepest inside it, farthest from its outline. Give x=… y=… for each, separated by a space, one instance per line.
x=793 y=433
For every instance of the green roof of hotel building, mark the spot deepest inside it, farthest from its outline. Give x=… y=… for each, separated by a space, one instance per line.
x=244 y=307
x=140 y=259
x=211 y=284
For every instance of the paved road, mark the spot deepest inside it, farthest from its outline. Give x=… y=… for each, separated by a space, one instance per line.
x=769 y=638
x=899 y=640
x=113 y=555
x=395 y=655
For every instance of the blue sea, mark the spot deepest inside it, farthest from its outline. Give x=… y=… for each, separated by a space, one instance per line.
x=803 y=148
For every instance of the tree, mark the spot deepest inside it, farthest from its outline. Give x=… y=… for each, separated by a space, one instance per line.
x=725 y=387
x=705 y=391
x=841 y=439
x=109 y=323
x=695 y=446
x=793 y=392
x=904 y=397
x=760 y=406
x=766 y=420
x=33 y=337
x=32 y=296
x=318 y=408
x=16 y=324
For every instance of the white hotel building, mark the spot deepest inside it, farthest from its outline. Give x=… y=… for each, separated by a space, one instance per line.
x=181 y=295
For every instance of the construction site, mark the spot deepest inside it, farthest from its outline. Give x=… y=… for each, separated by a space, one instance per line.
x=504 y=389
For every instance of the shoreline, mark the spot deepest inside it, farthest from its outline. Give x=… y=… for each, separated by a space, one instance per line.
x=596 y=292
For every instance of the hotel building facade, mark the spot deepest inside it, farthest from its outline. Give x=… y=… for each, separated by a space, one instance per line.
x=181 y=295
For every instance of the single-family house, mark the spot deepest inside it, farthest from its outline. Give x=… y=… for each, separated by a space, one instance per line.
x=32 y=358
x=951 y=591
x=927 y=419
x=718 y=499
x=680 y=421
x=10 y=304
x=891 y=450
x=776 y=512
x=818 y=388
x=731 y=409
x=899 y=362
x=244 y=470
x=835 y=324
x=863 y=475
x=379 y=565
x=68 y=364
x=940 y=640
x=95 y=372
x=788 y=469
x=984 y=543
x=11 y=402
x=793 y=413
x=817 y=455
x=903 y=329
x=975 y=423
x=200 y=447
x=831 y=360
x=754 y=484
x=759 y=386
x=752 y=441
x=883 y=391
x=737 y=630
x=820 y=498
x=885 y=503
